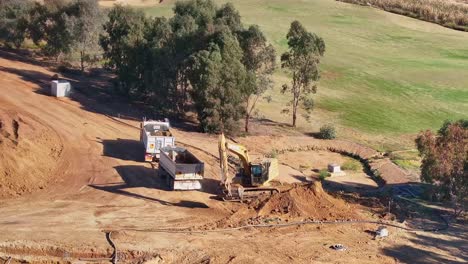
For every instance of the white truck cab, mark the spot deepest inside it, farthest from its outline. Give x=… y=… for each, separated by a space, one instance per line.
x=155 y=135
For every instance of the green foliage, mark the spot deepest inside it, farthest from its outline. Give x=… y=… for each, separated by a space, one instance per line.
x=323 y=174
x=406 y=159
x=58 y=27
x=123 y=49
x=259 y=58
x=444 y=161
x=218 y=77
x=351 y=165
x=50 y=23
x=13 y=21
x=302 y=59
x=85 y=26
x=447 y=123
x=407 y=164
x=272 y=154
x=327 y=132
x=201 y=59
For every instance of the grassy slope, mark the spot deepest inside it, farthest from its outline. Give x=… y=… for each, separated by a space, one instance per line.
x=384 y=75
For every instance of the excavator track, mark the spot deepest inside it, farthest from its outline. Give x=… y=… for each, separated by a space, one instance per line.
x=250 y=193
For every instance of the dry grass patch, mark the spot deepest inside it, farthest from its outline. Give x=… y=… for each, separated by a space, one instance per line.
x=451 y=14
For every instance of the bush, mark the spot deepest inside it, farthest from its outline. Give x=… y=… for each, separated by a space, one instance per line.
x=351 y=165
x=323 y=174
x=272 y=154
x=327 y=132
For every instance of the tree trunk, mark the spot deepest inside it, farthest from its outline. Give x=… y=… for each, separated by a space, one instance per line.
x=82 y=61
x=294 y=112
x=294 y=119
x=247 y=118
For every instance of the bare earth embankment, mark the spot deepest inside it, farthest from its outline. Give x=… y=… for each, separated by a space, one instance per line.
x=28 y=152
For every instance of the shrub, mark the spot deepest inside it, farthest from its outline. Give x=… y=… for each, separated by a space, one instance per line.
x=323 y=174
x=272 y=154
x=327 y=132
x=352 y=165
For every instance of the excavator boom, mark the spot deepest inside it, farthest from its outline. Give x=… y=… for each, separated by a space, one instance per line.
x=223 y=164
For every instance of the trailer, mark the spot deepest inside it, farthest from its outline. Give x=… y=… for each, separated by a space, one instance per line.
x=155 y=135
x=182 y=170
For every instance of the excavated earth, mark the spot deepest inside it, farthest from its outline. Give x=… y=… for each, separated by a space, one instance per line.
x=28 y=151
x=70 y=172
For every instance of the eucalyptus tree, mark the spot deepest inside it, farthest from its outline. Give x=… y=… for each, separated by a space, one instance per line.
x=302 y=60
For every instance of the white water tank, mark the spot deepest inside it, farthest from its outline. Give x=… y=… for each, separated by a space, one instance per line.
x=60 y=88
x=334 y=168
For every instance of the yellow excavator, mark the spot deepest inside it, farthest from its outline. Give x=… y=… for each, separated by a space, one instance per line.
x=250 y=178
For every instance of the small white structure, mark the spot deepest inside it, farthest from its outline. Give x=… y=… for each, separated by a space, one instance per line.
x=381 y=232
x=60 y=88
x=334 y=168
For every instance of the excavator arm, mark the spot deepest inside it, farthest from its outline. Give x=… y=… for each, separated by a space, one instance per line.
x=223 y=164
x=239 y=192
x=240 y=151
x=242 y=154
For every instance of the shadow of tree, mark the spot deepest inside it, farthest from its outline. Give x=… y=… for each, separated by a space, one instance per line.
x=95 y=94
x=433 y=249
x=124 y=149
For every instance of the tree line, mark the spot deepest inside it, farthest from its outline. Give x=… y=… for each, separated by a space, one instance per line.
x=444 y=162
x=57 y=27
x=206 y=59
x=203 y=58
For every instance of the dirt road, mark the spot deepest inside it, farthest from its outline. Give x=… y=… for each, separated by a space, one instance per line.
x=91 y=182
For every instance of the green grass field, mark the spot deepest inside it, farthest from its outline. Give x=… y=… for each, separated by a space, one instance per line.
x=383 y=75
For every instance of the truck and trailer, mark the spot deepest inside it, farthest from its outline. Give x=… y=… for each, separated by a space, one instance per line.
x=155 y=135
x=181 y=169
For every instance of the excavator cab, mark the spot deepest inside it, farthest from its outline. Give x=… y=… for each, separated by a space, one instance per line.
x=259 y=174
x=253 y=177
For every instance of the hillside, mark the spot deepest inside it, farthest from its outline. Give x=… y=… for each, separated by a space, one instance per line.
x=385 y=77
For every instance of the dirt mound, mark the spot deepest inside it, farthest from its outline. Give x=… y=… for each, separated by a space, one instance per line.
x=309 y=201
x=28 y=153
x=301 y=202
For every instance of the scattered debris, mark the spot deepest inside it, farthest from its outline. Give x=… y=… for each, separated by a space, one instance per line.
x=338 y=247
x=381 y=232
